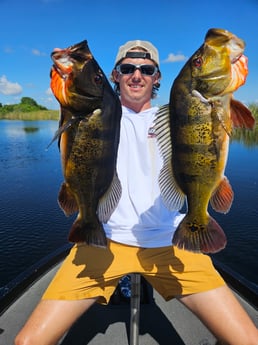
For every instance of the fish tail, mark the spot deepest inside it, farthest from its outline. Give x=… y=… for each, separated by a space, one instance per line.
x=88 y=232
x=205 y=238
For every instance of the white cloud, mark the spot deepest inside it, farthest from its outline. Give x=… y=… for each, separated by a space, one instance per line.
x=37 y=52
x=9 y=88
x=8 y=50
x=49 y=91
x=175 y=58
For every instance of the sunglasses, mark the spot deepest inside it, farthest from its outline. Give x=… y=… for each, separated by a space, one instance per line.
x=128 y=68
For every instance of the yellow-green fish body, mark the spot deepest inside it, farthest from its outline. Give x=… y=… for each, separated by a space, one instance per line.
x=194 y=132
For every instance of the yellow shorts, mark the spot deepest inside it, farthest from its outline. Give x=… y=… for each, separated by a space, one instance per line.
x=94 y=272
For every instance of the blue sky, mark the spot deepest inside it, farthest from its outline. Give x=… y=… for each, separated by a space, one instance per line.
x=30 y=30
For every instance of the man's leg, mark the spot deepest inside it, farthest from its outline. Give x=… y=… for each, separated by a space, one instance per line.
x=50 y=321
x=221 y=312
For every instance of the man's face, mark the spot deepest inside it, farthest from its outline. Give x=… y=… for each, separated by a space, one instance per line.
x=136 y=87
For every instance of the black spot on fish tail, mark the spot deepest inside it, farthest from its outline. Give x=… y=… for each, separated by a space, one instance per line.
x=194 y=237
x=88 y=232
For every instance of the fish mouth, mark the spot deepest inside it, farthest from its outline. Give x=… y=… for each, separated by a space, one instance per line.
x=67 y=65
x=64 y=59
x=62 y=63
x=59 y=74
x=236 y=48
x=239 y=69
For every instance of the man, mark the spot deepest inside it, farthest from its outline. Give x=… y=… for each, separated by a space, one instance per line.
x=139 y=231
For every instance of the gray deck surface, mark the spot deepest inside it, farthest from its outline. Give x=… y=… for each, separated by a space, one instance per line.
x=160 y=322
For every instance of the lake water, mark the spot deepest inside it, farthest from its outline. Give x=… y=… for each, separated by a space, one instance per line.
x=32 y=224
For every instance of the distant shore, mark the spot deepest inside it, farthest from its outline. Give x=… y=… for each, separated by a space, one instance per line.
x=32 y=115
x=55 y=115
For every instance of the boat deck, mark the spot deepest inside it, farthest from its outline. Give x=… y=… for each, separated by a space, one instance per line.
x=160 y=322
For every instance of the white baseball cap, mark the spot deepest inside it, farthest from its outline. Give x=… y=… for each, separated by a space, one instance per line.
x=125 y=51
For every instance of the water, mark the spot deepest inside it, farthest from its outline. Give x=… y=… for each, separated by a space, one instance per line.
x=241 y=223
x=32 y=224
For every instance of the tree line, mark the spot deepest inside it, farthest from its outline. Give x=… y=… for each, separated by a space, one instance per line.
x=26 y=105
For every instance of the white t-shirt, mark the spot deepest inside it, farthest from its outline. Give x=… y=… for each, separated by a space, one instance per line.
x=140 y=219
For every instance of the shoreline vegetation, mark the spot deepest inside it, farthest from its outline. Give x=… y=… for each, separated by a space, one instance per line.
x=32 y=116
x=27 y=110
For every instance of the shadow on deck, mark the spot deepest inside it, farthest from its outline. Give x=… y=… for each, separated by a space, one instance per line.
x=111 y=324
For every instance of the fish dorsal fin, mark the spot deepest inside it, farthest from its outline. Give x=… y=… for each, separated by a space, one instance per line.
x=171 y=194
x=108 y=202
x=222 y=198
x=241 y=116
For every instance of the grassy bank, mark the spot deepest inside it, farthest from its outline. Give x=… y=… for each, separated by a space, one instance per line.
x=54 y=114
x=31 y=116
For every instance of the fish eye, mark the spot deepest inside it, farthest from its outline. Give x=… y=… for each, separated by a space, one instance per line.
x=197 y=62
x=98 y=79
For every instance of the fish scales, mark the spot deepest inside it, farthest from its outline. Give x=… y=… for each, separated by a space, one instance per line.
x=197 y=146
x=193 y=133
x=88 y=135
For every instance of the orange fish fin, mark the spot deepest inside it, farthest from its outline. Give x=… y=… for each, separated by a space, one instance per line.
x=109 y=200
x=171 y=194
x=67 y=200
x=241 y=116
x=222 y=198
x=91 y=233
x=202 y=238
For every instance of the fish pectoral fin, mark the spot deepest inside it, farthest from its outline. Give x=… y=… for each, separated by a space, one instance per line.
x=109 y=200
x=222 y=198
x=66 y=200
x=64 y=127
x=197 y=94
x=241 y=116
x=171 y=194
x=197 y=237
